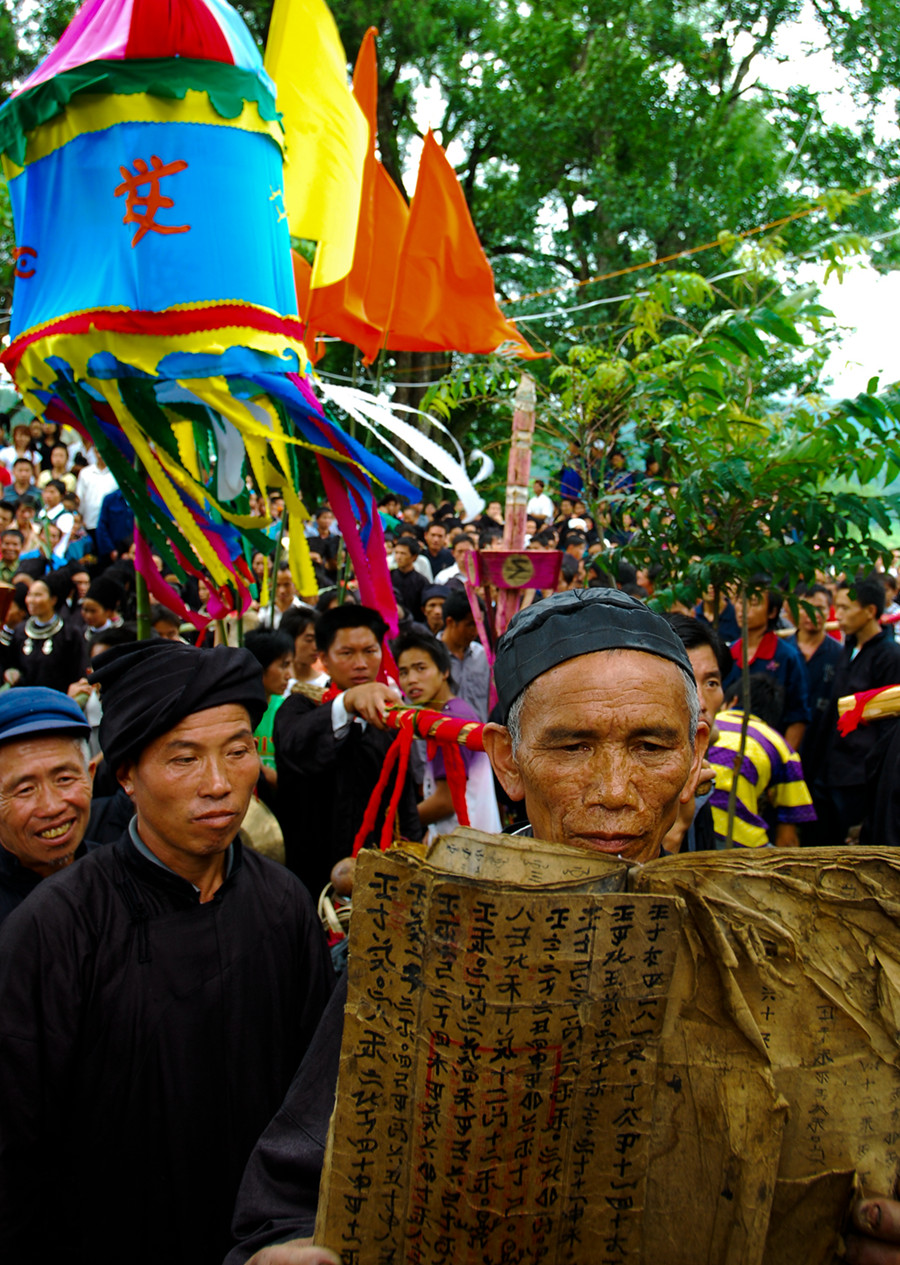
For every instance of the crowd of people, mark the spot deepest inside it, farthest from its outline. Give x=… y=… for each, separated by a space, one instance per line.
x=129 y=768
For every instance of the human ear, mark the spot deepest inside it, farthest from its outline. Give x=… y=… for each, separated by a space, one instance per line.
x=498 y=747
x=700 y=744
x=125 y=779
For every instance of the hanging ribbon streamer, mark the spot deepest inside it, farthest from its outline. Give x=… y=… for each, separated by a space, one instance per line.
x=378 y=418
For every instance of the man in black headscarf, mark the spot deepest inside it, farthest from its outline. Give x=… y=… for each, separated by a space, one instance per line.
x=602 y=740
x=155 y=998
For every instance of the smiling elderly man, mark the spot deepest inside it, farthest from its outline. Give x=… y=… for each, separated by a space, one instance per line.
x=45 y=789
x=156 y=997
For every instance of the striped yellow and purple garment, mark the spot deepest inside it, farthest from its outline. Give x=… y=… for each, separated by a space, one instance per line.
x=769 y=765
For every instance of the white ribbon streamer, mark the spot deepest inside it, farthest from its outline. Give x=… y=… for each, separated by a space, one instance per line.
x=486 y=469
x=378 y=417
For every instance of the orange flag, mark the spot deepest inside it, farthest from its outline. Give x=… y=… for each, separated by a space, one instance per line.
x=356 y=308
x=444 y=296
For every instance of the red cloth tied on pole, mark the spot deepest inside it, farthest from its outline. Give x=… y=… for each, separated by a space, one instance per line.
x=421 y=722
x=853 y=718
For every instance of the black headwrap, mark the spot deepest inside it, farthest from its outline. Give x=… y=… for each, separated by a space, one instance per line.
x=578 y=622
x=149 y=688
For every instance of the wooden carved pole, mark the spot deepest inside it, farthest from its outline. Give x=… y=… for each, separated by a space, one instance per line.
x=517 y=480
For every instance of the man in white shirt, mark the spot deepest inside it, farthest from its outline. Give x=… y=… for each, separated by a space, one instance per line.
x=540 y=506
x=93 y=484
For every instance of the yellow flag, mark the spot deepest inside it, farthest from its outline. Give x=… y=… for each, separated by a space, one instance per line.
x=326 y=133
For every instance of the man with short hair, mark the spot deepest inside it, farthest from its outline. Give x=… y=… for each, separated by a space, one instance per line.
x=433 y=599
x=23 y=485
x=820 y=655
x=94 y=483
x=10 y=549
x=470 y=671
x=767 y=652
x=870 y=659
x=769 y=779
x=460 y=547
x=324 y=539
x=156 y=997
x=329 y=755
x=435 y=556
x=539 y=506
x=408 y=583
x=45 y=789
x=286 y=599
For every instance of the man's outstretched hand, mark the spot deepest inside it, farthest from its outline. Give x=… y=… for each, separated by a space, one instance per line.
x=875 y=1239
x=294 y=1254
x=370 y=702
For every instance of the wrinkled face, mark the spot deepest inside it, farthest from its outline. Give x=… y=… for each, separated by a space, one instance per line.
x=93 y=614
x=305 y=649
x=850 y=615
x=45 y=801
x=605 y=757
x=434 y=614
x=191 y=786
x=421 y=680
x=353 y=658
x=39 y=602
x=815 y=622
x=277 y=675
x=709 y=681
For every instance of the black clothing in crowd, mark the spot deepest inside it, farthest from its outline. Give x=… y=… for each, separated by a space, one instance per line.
x=146 y=1040
x=324 y=786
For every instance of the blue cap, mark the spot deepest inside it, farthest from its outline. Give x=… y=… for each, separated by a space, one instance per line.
x=37 y=711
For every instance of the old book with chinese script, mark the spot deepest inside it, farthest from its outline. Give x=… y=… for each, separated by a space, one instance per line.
x=551 y=1057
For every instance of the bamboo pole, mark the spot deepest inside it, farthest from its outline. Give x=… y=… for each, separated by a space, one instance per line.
x=518 y=474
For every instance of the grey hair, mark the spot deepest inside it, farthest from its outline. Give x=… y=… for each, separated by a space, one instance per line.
x=691 y=698
x=85 y=748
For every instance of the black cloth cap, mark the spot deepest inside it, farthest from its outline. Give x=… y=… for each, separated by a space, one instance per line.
x=577 y=622
x=149 y=688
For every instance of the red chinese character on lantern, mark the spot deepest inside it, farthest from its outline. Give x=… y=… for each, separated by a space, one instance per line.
x=141 y=208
